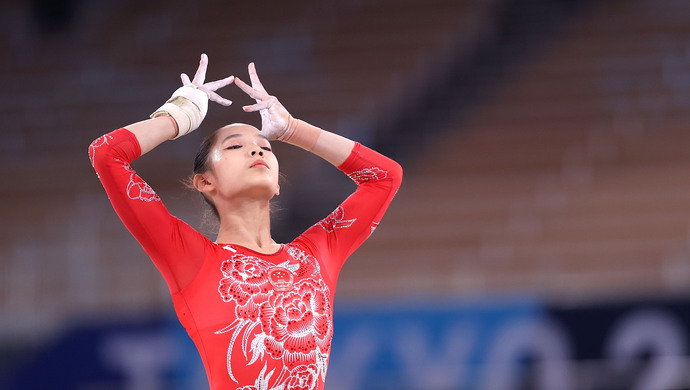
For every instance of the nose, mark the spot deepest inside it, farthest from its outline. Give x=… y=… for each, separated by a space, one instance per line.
x=257 y=151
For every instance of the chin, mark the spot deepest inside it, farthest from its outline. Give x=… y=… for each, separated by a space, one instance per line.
x=260 y=192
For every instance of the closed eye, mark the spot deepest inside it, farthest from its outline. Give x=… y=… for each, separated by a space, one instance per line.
x=233 y=147
x=266 y=148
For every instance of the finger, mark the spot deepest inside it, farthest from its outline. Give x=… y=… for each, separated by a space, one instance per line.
x=200 y=74
x=215 y=97
x=219 y=99
x=248 y=90
x=206 y=91
x=257 y=107
x=255 y=78
x=215 y=85
x=185 y=79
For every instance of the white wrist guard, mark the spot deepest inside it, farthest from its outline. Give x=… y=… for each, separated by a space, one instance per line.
x=187 y=106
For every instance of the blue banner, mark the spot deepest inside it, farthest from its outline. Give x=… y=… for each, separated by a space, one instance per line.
x=485 y=344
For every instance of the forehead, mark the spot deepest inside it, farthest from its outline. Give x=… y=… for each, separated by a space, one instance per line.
x=238 y=131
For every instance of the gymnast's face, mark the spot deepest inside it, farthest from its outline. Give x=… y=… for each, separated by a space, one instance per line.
x=242 y=164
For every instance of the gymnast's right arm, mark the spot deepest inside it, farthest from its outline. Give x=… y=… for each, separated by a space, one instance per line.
x=175 y=248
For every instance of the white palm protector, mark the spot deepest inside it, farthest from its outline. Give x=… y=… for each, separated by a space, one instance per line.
x=187 y=106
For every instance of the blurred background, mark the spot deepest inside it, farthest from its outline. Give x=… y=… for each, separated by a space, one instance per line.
x=540 y=239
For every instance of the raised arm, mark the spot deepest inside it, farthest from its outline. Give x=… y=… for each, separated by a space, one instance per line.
x=174 y=247
x=377 y=177
x=277 y=123
x=183 y=112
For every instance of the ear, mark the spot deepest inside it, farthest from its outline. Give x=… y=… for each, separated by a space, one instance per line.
x=202 y=183
x=278 y=190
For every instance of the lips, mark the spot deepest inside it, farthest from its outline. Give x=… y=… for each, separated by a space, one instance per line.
x=259 y=163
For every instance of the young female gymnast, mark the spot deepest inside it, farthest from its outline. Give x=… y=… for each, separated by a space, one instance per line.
x=259 y=312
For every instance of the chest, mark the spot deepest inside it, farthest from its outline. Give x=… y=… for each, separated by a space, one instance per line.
x=236 y=284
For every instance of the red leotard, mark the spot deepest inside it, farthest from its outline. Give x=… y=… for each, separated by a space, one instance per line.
x=259 y=321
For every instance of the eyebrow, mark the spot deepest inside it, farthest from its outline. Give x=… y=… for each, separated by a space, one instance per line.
x=237 y=135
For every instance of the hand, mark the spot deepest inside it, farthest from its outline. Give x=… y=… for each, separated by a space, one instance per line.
x=188 y=105
x=274 y=117
x=209 y=88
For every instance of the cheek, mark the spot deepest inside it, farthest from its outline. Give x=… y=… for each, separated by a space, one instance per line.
x=274 y=162
x=277 y=168
x=216 y=155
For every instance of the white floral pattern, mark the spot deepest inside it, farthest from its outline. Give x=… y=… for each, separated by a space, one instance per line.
x=137 y=188
x=374 y=225
x=303 y=377
x=368 y=174
x=283 y=312
x=97 y=144
x=336 y=220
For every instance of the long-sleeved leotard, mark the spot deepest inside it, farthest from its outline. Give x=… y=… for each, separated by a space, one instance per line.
x=259 y=321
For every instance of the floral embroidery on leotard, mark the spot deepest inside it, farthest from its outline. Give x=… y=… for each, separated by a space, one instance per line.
x=373 y=226
x=290 y=307
x=367 y=175
x=336 y=220
x=97 y=143
x=137 y=188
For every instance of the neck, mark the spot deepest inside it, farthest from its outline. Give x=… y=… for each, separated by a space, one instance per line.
x=247 y=223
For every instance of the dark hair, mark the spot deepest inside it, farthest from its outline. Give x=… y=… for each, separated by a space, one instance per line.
x=202 y=165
